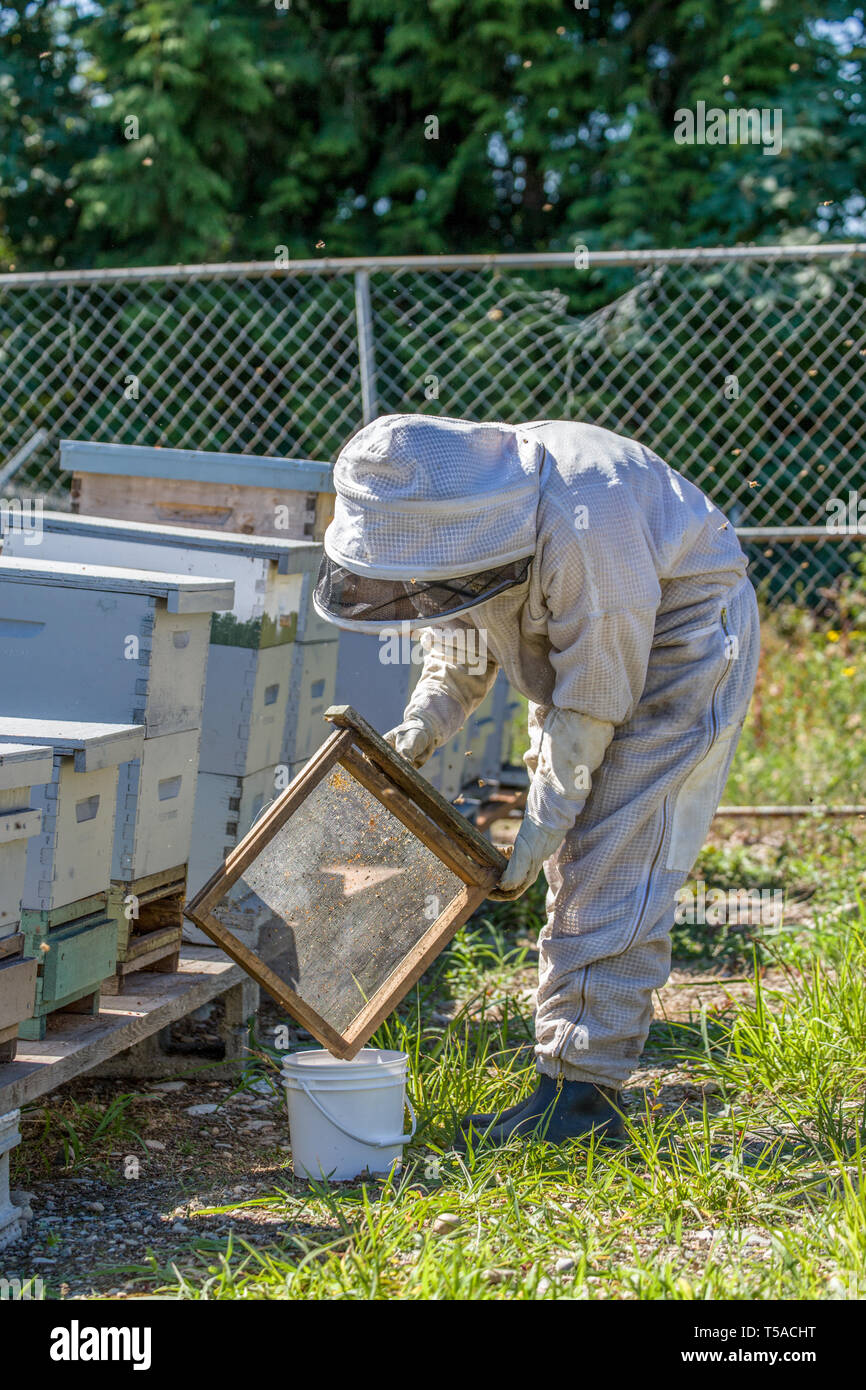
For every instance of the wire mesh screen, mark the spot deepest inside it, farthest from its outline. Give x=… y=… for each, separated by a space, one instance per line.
x=745 y=370
x=338 y=897
x=819 y=575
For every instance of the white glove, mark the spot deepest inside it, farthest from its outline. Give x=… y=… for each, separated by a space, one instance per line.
x=534 y=845
x=413 y=740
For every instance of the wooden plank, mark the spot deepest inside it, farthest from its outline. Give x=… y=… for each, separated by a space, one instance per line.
x=161 y=957
x=12 y=946
x=149 y=888
x=159 y=937
x=17 y=990
x=261 y=511
x=149 y=1002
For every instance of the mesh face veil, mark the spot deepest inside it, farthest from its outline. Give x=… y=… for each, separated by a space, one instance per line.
x=365 y=604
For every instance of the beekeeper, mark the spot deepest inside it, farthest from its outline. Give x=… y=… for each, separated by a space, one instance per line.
x=613 y=594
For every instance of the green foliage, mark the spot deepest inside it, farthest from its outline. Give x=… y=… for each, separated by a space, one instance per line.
x=45 y=129
x=375 y=127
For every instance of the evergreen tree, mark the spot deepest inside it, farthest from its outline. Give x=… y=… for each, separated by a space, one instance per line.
x=378 y=126
x=45 y=128
x=178 y=90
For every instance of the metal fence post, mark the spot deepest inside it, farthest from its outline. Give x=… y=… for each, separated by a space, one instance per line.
x=366 y=345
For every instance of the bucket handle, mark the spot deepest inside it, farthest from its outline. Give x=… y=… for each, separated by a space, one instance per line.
x=359 y=1139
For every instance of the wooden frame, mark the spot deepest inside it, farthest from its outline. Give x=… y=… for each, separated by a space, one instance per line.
x=405 y=793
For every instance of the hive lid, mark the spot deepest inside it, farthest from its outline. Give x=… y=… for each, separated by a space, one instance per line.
x=25 y=765
x=347 y=887
x=197 y=465
x=93 y=746
x=291 y=556
x=181 y=592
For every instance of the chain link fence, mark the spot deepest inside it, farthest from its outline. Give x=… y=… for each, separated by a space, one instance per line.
x=743 y=368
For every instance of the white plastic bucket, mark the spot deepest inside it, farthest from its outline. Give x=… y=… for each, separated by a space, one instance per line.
x=346 y=1118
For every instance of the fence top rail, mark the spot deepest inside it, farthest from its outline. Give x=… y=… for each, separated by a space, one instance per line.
x=345 y=265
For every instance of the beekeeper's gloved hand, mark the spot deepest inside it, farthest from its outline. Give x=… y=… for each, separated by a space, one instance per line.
x=570 y=748
x=534 y=844
x=413 y=740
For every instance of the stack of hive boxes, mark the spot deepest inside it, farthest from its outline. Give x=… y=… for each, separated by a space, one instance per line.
x=290 y=498
x=64 y=920
x=21 y=769
x=97 y=643
x=272 y=665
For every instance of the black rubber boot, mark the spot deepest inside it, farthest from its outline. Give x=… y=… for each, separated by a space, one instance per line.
x=556 y=1112
x=480 y=1124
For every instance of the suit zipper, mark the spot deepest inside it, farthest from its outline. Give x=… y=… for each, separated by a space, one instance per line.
x=714 y=715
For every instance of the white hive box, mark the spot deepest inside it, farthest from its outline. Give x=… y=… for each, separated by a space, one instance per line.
x=312 y=685
x=244 y=722
x=484 y=736
x=155 y=803
x=374 y=677
x=270 y=576
x=513 y=711
x=22 y=767
x=70 y=857
x=252 y=654
x=226 y=808
x=103 y=644
x=446 y=770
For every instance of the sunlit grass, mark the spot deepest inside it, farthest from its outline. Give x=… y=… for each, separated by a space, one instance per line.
x=754 y=1192
x=745 y=1183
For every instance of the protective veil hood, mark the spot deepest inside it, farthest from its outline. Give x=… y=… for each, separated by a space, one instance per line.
x=423 y=497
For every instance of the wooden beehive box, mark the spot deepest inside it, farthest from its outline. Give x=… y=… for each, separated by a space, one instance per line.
x=22 y=767
x=97 y=643
x=256 y=666
x=64 y=923
x=347 y=887
x=225 y=809
x=375 y=676
x=195 y=487
x=70 y=857
x=272 y=577
x=155 y=805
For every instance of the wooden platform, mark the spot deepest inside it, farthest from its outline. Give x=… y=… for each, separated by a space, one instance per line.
x=75 y=1044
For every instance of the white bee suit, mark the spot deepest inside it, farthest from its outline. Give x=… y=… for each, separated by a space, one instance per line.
x=634 y=637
